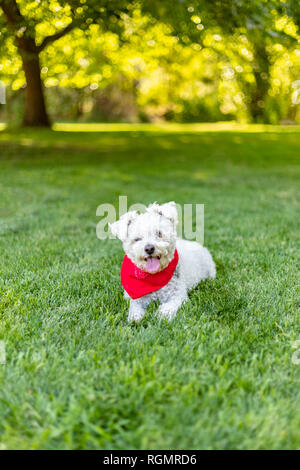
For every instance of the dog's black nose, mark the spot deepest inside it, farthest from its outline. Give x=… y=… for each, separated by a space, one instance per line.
x=149 y=249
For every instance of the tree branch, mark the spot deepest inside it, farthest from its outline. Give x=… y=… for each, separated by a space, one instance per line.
x=49 y=39
x=12 y=12
x=15 y=20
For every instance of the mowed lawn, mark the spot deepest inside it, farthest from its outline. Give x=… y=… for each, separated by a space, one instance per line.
x=77 y=375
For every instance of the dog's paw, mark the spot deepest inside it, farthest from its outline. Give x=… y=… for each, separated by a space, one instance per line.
x=167 y=312
x=135 y=317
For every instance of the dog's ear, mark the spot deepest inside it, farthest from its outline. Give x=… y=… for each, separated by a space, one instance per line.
x=168 y=210
x=120 y=228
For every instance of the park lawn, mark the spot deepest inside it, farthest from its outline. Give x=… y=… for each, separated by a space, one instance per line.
x=221 y=375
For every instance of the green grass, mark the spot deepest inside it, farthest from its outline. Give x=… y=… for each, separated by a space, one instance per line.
x=221 y=374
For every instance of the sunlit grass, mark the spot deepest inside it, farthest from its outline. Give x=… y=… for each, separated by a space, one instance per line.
x=177 y=128
x=231 y=126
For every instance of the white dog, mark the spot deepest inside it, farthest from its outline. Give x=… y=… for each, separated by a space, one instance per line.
x=157 y=264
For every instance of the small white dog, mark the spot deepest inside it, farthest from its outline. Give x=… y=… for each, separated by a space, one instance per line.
x=157 y=264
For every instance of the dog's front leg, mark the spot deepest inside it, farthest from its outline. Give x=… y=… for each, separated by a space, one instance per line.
x=169 y=309
x=136 y=310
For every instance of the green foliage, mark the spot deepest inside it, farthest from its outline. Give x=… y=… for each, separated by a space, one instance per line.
x=77 y=375
x=171 y=60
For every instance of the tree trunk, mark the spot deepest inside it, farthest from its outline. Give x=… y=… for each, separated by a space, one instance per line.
x=262 y=76
x=35 y=106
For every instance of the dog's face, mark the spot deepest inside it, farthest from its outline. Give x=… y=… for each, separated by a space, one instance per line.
x=149 y=239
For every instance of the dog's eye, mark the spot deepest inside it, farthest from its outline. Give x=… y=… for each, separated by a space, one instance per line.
x=159 y=234
x=137 y=240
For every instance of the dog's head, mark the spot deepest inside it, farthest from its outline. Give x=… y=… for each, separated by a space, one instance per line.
x=149 y=238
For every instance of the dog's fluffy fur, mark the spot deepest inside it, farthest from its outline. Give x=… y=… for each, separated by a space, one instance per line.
x=157 y=227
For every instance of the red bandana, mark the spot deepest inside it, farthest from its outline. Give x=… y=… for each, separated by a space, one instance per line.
x=138 y=283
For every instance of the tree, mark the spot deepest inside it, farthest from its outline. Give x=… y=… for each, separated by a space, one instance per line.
x=256 y=19
x=34 y=25
x=23 y=23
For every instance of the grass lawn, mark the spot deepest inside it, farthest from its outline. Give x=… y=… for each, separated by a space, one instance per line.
x=221 y=374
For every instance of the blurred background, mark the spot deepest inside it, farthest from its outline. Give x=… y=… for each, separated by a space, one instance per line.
x=136 y=61
x=190 y=101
